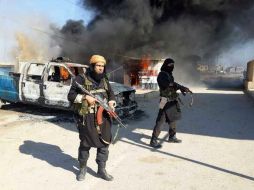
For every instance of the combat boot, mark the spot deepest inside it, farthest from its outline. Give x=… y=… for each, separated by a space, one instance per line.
x=82 y=173
x=102 y=173
x=154 y=143
x=173 y=139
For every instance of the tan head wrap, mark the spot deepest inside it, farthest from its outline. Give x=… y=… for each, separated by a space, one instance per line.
x=97 y=58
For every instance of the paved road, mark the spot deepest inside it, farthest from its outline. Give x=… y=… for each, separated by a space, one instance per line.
x=38 y=148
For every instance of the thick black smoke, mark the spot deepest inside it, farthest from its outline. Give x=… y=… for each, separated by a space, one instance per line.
x=182 y=29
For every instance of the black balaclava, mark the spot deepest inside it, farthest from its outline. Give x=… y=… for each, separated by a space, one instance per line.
x=169 y=69
x=94 y=75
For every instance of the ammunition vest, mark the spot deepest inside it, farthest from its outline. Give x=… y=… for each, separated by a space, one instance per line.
x=84 y=108
x=169 y=92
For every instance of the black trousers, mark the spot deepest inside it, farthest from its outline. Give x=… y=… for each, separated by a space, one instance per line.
x=161 y=119
x=83 y=154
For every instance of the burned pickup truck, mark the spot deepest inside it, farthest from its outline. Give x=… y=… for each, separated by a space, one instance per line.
x=47 y=84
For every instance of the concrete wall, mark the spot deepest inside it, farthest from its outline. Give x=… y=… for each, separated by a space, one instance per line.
x=249 y=82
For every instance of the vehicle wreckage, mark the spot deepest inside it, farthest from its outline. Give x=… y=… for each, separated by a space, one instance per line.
x=47 y=84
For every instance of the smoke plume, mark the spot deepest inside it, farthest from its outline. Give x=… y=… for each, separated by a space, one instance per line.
x=160 y=28
x=27 y=38
x=186 y=30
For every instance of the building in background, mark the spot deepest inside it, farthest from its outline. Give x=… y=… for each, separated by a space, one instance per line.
x=249 y=80
x=142 y=73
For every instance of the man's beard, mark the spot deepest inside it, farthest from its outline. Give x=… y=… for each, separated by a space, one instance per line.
x=97 y=77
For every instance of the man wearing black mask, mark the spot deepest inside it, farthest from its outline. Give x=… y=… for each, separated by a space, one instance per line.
x=169 y=109
x=90 y=134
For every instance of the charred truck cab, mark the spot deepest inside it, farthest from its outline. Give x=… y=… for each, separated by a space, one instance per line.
x=48 y=84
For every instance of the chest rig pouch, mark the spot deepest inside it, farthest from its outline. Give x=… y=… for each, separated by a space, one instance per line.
x=168 y=94
x=84 y=108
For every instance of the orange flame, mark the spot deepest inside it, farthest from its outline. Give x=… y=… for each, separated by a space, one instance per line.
x=64 y=73
x=26 y=48
x=145 y=62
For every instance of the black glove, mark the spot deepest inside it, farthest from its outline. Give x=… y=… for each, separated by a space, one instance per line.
x=184 y=90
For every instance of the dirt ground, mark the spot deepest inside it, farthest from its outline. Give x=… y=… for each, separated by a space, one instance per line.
x=38 y=148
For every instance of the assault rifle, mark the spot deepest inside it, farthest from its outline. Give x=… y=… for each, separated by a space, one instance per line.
x=103 y=106
x=185 y=90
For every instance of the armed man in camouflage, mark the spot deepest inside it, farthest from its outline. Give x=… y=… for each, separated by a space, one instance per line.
x=90 y=134
x=169 y=108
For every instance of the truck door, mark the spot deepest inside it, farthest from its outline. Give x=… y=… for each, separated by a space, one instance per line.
x=56 y=86
x=31 y=81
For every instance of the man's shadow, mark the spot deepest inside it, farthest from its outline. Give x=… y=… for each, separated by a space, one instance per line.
x=53 y=155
